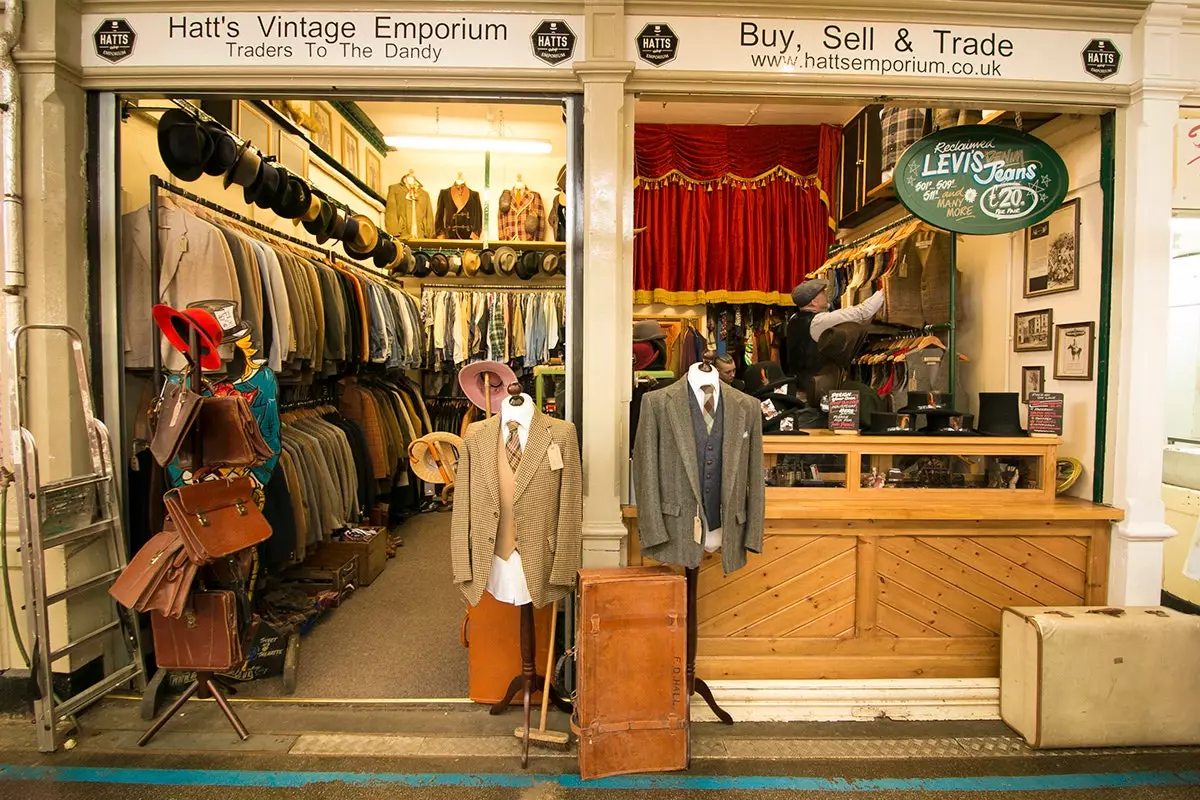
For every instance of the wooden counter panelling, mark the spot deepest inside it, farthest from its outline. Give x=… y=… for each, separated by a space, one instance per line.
x=892 y=590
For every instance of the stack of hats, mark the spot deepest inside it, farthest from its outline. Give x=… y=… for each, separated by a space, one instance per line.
x=941 y=418
x=782 y=411
x=649 y=344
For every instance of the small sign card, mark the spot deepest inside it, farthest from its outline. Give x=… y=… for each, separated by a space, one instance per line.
x=843 y=411
x=1045 y=413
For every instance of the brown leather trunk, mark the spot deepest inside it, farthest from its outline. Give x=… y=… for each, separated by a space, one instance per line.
x=205 y=639
x=491 y=632
x=632 y=703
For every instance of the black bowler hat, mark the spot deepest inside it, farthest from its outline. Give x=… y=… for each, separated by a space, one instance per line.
x=184 y=145
x=1000 y=414
x=294 y=198
x=266 y=187
x=487 y=261
x=336 y=231
x=420 y=264
x=225 y=150
x=385 y=251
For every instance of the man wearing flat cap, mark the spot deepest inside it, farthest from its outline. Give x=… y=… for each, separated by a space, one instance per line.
x=812 y=318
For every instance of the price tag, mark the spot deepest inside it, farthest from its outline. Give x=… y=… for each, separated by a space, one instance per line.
x=697 y=529
x=226 y=318
x=555 y=456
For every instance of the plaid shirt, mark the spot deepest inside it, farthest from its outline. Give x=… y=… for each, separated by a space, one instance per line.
x=901 y=128
x=525 y=222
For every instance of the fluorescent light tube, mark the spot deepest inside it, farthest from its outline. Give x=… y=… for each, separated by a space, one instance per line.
x=470 y=143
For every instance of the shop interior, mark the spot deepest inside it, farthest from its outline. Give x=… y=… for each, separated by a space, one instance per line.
x=736 y=203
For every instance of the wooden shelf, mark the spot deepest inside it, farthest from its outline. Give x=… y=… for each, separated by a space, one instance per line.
x=887 y=189
x=1029 y=119
x=478 y=244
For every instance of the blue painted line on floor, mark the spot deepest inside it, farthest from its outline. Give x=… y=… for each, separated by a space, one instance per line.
x=291 y=780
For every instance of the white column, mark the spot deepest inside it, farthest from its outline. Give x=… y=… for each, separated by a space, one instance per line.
x=607 y=268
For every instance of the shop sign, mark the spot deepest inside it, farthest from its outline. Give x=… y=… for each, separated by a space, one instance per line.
x=831 y=47
x=1046 y=413
x=844 y=411
x=331 y=39
x=1187 y=160
x=981 y=179
x=657 y=44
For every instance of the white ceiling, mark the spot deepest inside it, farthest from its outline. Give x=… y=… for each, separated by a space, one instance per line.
x=681 y=112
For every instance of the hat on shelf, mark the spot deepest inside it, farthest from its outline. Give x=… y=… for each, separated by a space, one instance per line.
x=349 y=230
x=792 y=422
x=362 y=242
x=884 y=423
x=385 y=253
x=764 y=377
x=529 y=265
x=225 y=150
x=183 y=144
x=225 y=312
x=929 y=402
x=421 y=456
x=482 y=378
x=336 y=231
x=420 y=264
x=644 y=354
x=456 y=263
x=323 y=224
x=550 y=263
x=294 y=200
x=245 y=166
x=266 y=186
x=949 y=423
x=439 y=264
x=1000 y=414
x=470 y=263
x=645 y=330
x=177 y=326
x=803 y=294
x=487 y=261
x=506 y=260
x=404 y=260
x=311 y=211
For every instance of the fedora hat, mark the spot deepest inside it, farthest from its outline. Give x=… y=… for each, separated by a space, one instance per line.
x=385 y=252
x=424 y=460
x=420 y=264
x=456 y=263
x=764 y=377
x=644 y=354
x=245 y=166
x=470 y=263
x=550 y=262
x=487 y=261
x=294 y=199
x=336 y=231
x=184 y=144
x=225 y=312
x=225 y=149
x=361 y=243
x=482 y=378
x=311 y=211
x=323 y=224
x=404 y=266
x=929 y=402
x=1000 y=414
x=529 y=265
x=884 y=423
x=506 y=260
x=439 y=264
x=949 y=423
x=645 y=330
x=266 y=186
x=177 y=326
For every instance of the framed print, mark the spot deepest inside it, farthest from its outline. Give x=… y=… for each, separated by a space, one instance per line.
x=254 y=127
x=1074 y=348
x=1052 y=252
x=350 y=150
x=323 y=119
x=374 y=170
x=1033 y=379
x=1031 y=330
x=293 y=153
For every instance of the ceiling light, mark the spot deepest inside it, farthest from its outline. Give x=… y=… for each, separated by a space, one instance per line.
x=479 y=144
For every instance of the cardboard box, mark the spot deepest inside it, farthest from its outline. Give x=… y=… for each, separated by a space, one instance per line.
x=372 y=554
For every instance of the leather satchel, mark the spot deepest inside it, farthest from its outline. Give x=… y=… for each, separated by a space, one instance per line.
x=632 y=702
x=158 y=578
x=216 y=518
x=204 y=639
x=230 y=436
x=175 y=413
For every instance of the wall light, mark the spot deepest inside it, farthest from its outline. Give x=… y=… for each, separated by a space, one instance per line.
x=479 y=144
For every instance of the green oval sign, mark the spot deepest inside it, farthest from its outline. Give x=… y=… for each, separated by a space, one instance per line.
x=981 y=179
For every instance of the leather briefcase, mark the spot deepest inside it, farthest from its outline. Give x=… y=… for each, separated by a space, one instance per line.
x=229 y=433
x=204 y=639
x=158 y=577
x=173 y=416
x=491 y=632
x=632 y=703
x=216 y=518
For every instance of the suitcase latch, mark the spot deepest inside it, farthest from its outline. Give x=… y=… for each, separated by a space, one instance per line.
x=203 y=519
x=241 y=508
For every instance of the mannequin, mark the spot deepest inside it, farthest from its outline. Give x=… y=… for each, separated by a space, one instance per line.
x=459 y=212
x=558 y=207
x=522 y=214
x=409 y=212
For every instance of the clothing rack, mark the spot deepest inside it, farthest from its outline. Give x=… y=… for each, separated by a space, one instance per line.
x=840 y=246
x=490 y=287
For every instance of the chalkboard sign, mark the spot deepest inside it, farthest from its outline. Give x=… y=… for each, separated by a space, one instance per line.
x=843 y=411
x=981 y=179
x=1046 y=413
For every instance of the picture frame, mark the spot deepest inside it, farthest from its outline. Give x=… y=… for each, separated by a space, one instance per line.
x=1033 y=379
x=323 y=116
x=349 y=158
x=1052 y=253
x=254 y=126
x=1074 y=351
x=374 y=171
x=293 y=153
x=1032 y=331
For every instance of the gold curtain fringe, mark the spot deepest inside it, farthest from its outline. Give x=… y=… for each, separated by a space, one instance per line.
x=699 y=298
x=678 y=178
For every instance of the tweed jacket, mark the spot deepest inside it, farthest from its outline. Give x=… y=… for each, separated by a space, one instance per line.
x=408 y=217
x=666 y=478
x=547 y=510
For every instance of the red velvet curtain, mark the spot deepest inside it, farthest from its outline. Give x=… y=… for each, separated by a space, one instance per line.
x=730 y=214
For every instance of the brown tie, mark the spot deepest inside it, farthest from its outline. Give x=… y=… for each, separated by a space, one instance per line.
x=513 y=445
x=710 y=406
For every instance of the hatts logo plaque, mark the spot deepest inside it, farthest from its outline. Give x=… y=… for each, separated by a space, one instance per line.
x=657 y=44
x=114 y=40
x=1101 y=59
x=553 y=42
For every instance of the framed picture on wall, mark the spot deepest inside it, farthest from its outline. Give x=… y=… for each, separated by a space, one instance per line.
x=1074 y=348
x=293 y=153
x=374 y=170
x=1031 y=330
x=1052 y=252
x=1033 y=379
x=254 y=127
x=323 y=122
x=349 y=157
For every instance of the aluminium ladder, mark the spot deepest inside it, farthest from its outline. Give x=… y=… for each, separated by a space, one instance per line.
x=74 y=512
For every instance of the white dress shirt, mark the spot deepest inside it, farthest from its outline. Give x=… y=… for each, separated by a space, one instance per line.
x=863 y=312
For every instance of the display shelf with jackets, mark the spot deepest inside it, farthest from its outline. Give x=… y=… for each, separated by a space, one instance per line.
x=409 y=213
x=522 y=216
x=525 y=327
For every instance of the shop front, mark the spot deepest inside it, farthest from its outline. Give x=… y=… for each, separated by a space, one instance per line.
x=707 y=167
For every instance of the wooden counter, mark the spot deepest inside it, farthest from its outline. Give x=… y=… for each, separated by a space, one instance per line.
x=897 y=583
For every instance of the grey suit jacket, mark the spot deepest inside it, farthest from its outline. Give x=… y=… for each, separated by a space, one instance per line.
x=666 y=478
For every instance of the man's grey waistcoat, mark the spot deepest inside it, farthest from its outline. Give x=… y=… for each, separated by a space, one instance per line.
x=708 y=458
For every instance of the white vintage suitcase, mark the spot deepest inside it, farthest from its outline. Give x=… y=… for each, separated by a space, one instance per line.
x=1080 y=677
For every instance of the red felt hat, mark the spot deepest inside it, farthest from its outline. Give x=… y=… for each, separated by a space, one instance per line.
x=498 y=377
x=644 y=354
x=176 y=326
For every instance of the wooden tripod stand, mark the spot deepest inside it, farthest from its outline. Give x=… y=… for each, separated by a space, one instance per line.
x=697 y=685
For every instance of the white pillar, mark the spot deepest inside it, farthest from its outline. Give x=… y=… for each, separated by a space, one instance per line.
x=606 y=341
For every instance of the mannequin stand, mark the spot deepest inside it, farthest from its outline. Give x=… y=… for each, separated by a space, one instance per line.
x=697 y=685
x=203 y=687
x=529 y=680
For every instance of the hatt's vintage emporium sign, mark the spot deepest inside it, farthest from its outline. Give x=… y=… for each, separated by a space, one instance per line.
x=981 y=179
x=321 y=39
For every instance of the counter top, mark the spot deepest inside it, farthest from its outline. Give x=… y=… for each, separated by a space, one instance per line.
x=941 y=508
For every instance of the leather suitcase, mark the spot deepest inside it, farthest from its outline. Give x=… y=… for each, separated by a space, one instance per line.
x=491 y=632
x=205 y=639
x=632 y=704
x=1098 y=677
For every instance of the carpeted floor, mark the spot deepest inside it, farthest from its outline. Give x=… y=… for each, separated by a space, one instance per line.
x=398 y=637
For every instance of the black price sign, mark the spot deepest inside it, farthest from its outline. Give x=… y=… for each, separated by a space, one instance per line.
x=1046 y=413
x=843 y=411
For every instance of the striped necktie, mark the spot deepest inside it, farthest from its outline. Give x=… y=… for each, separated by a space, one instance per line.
x=710 y=406
x=513 y=445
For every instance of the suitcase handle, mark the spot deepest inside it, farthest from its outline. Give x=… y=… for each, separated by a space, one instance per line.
x=462 y=631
